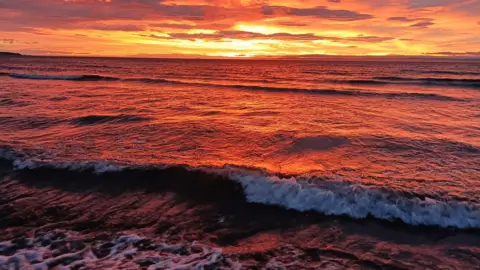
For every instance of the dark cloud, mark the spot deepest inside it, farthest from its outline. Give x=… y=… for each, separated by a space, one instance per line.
x=212 y=26
x=296 y=24
x=320 y=11
x=402 y=19
x=414 y=4
x=51 y=52
x=10 y=41
x=220 y=35
x=87 y=10
x=454 y=53
x=242 y=35
x=361 y=38
x=173 y=26
x=125 y=28
x=405 y=19
x=422 y=24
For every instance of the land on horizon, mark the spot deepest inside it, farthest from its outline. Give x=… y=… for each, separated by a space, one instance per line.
x=10 y=54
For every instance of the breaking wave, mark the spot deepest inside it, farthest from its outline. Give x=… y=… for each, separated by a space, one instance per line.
x=325 y=195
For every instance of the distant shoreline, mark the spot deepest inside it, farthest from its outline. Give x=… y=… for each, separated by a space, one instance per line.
x=10 y=54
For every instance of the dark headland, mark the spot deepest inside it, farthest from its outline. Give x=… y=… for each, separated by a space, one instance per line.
x=9 y=54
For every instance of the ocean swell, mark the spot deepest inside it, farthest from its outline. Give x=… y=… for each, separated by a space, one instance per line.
x=298 y=192
x=100 y=119
x=469 y=83
x=60 y=77
x=266 y=88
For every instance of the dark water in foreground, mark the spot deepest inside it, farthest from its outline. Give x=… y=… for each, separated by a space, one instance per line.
x=364 y=154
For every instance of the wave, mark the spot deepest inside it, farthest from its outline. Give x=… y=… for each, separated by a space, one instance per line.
x=445 y=72
x=60 y=77
x=328 y=72
x=472 y=83
x=374 y=81
x=330 y=92
x=12 y=102
x=257 y=87
x=152 y=80
x=324 y=195
x=99 y=119
x=28 y=122
x=42 y=122
x=360 y=82
x=12 y=67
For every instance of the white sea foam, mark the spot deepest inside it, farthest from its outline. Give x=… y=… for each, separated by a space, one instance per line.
x=97 y=167
x=342 y=198
x=123 y=252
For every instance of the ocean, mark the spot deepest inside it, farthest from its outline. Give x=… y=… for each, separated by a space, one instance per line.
x=239 y=164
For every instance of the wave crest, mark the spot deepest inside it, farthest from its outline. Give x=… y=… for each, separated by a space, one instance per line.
x=301 y=192
x=357 y=201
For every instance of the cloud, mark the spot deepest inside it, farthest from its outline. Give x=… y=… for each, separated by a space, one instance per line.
x=184 y=26
x=414 y=4
x=296 y=24
x=245 y=35
x=361 y=38
x=422 y=24
x=53 y=52
x=403 y=19
x=85 y=10
x=446 y=53
x=320 y=12
x=11 y=41
x=173 y=26
x=125 y=28
x=8 y=41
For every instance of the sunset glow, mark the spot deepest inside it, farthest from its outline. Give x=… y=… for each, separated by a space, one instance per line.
x=238 y=28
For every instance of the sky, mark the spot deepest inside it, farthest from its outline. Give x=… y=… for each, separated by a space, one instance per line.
x=240 y=28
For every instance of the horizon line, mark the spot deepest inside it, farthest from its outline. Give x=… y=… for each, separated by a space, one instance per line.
x=240 y=57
